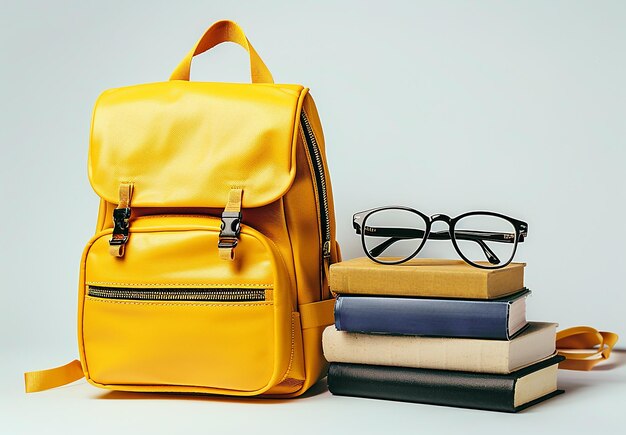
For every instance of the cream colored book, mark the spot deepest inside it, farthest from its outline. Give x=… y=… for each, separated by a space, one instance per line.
x=535 y=343
x=425 y=277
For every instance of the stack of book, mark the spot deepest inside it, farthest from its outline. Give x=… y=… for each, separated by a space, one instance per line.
x=439 y=332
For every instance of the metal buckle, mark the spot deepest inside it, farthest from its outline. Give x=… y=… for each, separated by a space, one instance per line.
x=228 y=243
x=121 y=217
x=230 y=229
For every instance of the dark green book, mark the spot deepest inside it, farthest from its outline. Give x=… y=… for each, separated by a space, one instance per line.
x=494 y=392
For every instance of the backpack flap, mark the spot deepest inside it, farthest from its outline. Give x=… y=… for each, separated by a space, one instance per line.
x=187 y=144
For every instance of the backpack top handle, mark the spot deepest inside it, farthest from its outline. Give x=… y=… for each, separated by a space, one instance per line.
x=224 y=31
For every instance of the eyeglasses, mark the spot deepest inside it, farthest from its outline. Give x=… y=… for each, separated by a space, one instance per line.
x=401 y=232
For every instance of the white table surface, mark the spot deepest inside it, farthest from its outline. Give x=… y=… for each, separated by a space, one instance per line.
x=594 y=403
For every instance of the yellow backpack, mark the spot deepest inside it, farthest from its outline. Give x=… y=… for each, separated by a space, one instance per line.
x=208 y=270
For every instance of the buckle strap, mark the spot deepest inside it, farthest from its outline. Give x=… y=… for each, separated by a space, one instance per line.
x=121 y=218
x=231 y=225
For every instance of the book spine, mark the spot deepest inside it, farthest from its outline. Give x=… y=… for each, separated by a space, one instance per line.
x=429 y=317
x=464 y=354
x=438 y=387
x=345 y=280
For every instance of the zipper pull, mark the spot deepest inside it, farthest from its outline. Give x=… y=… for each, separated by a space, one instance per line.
x=326 y=293
x=326 y=249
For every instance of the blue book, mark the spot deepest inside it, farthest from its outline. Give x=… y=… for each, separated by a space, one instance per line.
x=499 y=319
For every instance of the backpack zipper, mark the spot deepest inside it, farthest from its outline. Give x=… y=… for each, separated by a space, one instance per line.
x=320 y=180
x=179 y=294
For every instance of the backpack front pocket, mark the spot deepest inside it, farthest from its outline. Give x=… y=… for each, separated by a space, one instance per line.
x=172 y=316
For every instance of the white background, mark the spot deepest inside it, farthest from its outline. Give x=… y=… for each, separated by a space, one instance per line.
x=516 y=107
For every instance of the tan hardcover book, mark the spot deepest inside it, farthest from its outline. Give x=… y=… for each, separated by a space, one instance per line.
x=425 y=277
x=535 y=343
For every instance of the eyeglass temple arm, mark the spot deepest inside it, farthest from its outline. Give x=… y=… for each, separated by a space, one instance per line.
x=411 y=233
x=491 y=256
x=463 y=235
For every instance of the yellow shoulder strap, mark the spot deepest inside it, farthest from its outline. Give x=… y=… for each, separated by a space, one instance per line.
x=584 y=347
x=45 y=379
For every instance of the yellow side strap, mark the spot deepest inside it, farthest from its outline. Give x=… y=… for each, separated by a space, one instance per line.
x=315 y=314
x=584 y=347
x=45 y=379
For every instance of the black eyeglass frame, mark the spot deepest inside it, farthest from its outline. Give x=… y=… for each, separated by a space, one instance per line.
x=521 y=231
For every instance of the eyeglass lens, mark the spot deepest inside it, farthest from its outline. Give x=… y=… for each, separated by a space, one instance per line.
x=485 y=239
x=391 y=235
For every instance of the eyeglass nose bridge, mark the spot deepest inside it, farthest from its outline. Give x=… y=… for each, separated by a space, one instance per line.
x=440 y=217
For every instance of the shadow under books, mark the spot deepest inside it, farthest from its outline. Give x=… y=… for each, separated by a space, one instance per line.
x=580 y=380
x=617 y=359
